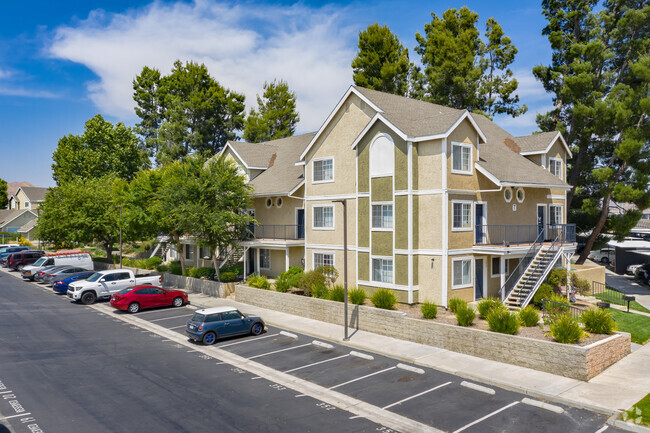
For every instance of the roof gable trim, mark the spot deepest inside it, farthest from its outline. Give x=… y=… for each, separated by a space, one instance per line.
x=545 y=151
x=378 y=118
x=19 y=215
x=248 y=167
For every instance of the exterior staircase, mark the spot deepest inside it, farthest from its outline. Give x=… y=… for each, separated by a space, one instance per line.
x=231 y=256
x=161 y=248
x=532 y=277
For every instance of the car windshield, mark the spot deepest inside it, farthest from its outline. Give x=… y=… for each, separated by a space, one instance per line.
x=94 y=277
x=125 y=291
x=197 y=317
x=40 y=261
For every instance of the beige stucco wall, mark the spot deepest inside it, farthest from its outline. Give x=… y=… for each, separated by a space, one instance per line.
x=429 y=165
x=429 y=227
x=278 y=261
x=430 y=278
x=464 y=133
x=331 y=237
x=284 y=215
x=338 y=263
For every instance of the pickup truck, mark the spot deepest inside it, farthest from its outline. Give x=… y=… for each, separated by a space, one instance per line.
x=104 y=283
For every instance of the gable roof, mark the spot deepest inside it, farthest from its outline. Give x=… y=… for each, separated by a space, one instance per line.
x=535 y=144
x=27 y=227
x=502 y=163
x=8 y=215
x=34 y=193
x=254 y=156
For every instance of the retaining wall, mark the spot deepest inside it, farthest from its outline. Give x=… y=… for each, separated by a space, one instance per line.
x=577 y=362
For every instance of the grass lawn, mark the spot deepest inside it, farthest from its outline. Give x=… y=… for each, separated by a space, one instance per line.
x=644 y=408
x=633 y=305
x=635 y=324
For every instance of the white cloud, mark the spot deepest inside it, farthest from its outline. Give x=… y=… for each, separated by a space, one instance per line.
x=529 y=88
x=242 y=44
x=27 y=93
x=524 y=124
x=4 y=73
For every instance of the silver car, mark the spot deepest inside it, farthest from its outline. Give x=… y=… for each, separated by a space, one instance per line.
x=61 y=274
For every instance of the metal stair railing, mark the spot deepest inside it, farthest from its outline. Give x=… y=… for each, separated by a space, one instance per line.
x=556 y=248
x=511 y=282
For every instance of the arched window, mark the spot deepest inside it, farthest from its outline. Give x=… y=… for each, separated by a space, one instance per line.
x=382 y=156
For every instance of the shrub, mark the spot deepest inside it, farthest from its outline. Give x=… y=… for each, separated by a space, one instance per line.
x=582 y=285
x=227 y=277
x=162 y=268
x=529 y=316
x=488 y=304
x=207 y=272
x=429 y=310
x=557 y=277
x=384 y=299
x=24 y=242
x=235 y=269
x=288 y=279
x=454 y=303
x=545 y=291
x=308 y=281
x=465 y=314
x=320 y=291
x=598 y=321
x=555 y=309
x=282 y=283
x=503 y=321
x=357 y=296
x=175 y=267
x=337 y=293
x=258 y=281
x=152 y=262
x=566 y=329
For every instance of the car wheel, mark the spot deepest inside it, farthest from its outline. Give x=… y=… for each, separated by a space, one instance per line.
x=209 y=338
x=19 y=268
x=604 y=260
x=257 y=328
x=178 y=302
x=88 y=298
x=134 y=307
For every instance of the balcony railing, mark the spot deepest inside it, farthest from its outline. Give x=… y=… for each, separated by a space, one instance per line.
x=506 y=235
x=277 y=232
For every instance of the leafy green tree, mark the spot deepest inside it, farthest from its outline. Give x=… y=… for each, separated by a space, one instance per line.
x=185 y=112
x=80 y=211
x=276 y=115
x=464 y=72
x=101 y=150
x=599 y=78
x=4 y=197
x=382 y=62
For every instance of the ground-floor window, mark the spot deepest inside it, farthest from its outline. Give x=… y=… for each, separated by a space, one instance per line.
x=204 y=253
x=189 y=252
x=496 y=266
x=382 y=270
x=462 y=272
x=265 y=259
x=323 y=259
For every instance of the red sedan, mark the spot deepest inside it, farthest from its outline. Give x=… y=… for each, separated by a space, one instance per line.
x=136 y=298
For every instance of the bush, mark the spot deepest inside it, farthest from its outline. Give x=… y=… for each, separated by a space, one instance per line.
x=488 y=304
x=162 y=268
x=598 y=321
x=357 y=296
x=288 y=279
x=337 y=293
x=465 y=314
x=152 y=262
x=320 y=291
x=582 y=285
x=175 y=267
x=545 y=291
x=429 y=310
x=529 y=316
x=227 y=277
x=24 y=242
x=503 y=321
x=384 y=299
x=308 y=281
x=454 y=303
x=259 y=282
x=207 y=272
x=566 y=329
x=557 y=277
x=235 y=269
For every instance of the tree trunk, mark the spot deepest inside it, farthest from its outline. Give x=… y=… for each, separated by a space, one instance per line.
x=604 y=213
x=215 y=262
x=179 y=248
x=573 y=176
x=108 y=246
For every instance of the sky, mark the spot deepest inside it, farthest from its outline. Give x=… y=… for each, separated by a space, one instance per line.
x=63 y=62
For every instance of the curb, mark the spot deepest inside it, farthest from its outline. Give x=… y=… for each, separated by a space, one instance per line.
x=614 y=421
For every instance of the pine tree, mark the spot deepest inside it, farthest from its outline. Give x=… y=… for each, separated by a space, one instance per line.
x=276 y=115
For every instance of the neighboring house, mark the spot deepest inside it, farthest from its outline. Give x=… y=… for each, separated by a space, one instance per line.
x=27 y=197
x=27 y=230
x=12 y=220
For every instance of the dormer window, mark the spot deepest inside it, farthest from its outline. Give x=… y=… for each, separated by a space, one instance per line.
x=461 y=158
x=555 y=166
x=323 y=170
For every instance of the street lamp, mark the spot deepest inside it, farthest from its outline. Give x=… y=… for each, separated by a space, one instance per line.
x=345 y=264
x=120 y=208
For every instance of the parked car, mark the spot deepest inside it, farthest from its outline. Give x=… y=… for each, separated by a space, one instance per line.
x=136 y=298
x=632 y=268
x=604 y=255
x=38 y=276
x=8 y=245
x=17 y=261
x=4 y=252
x=211 y=323
x=81 y=260
x=60 y=274
x=61 y=286
x=642 y=273
x=104 y=283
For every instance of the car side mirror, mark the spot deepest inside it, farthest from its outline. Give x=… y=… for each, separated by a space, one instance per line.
x=101 y=280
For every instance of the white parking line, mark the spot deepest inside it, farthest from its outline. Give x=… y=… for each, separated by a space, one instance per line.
x=416 y=395
x=486 y=417
x=542 y=405
x=152 y=311
x=476 y=387
x=5 y=392
x=167 y=318
x=176 y=327
x=315 y=363
x=244 y=341
x=362 y=377
x=281 y=350
x=14 y=416
x=602 y=429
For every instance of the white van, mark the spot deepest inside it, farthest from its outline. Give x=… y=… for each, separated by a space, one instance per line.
x=76 y=259
x=8 y=245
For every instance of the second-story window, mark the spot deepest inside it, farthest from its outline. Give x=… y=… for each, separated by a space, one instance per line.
x=555 y=214
x=461 y=215
x=382 y=216
x=461 y=158
x=323 y=170
x=555 y=166
x=323 y=217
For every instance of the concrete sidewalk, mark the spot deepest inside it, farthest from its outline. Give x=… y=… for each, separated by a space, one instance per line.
x=616 y=389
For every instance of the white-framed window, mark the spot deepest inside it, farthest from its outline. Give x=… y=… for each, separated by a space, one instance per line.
x=323 y=259
x=461 y=215
x=461 y=272
x=27 y=205
x=555 y=167
x=382 y=270
x=544 y=161
x=521 y=195
x=507 y=194
x=555 y=214
x=461 y=158
x=269 y=202
x=382 y=156
x=189 y=252
x=323 y=217
x=496 y=267
x=323 y=170
x=279 y=202
x=204 y=253
x=382 y=215
x=265 y=259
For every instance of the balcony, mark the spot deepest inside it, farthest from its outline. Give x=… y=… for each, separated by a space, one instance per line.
x=523 y=234
x=273 y=232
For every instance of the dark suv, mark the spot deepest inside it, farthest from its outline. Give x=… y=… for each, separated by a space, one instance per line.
x=6 y=252
x=642 y=273
x=19 y=260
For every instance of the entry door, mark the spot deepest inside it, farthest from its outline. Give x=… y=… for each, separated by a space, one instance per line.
x=541 y=219
x=300 y=223
x=251 y=261
x=478 y=279
x=479 y=224
x=251 y=226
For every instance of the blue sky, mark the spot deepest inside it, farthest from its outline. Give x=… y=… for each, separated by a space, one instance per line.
x=63 y=62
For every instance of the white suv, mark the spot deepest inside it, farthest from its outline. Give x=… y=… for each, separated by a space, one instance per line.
x=604 y=255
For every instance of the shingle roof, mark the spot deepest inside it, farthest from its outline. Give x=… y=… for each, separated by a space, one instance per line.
x=500 y=157
x=8 y=215
x=35 y=193
x=27 y=227
x=413 y=117
x=536 y=142
x=254 y=154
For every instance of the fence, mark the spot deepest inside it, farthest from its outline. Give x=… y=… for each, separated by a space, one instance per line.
x=602 y=292
x=280 y=232
x=550 y=308
x=506 y=234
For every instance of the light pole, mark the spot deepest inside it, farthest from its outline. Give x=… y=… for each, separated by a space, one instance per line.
x=345 y=264
x=120 y=208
